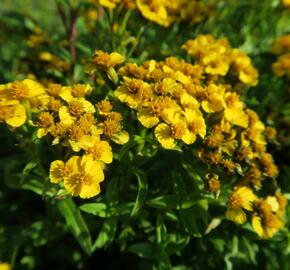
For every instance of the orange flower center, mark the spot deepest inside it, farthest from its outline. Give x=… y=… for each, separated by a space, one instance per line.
x=76 y=108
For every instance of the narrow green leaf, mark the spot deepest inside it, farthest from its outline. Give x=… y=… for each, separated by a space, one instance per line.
x=195 y=218
x=76 y=224
x=104 y=210
x=144 y=250
x=142 y=191
x=107 y=234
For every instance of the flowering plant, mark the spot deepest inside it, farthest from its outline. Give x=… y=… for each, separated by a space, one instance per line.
x=141 y=130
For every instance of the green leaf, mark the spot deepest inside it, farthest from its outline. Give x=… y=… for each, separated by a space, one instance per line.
x=142 y=191
x=104 y=210
x=164 y=202
x=144 y=250
x=161 y=231
x=174 y=201
x=107 y=234
x=28 y=182
x=76 y=224
x=195 y=218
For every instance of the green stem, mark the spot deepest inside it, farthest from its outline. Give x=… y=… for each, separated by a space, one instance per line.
x=133 y=48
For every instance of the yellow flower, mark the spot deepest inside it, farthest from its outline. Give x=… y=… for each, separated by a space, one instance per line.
x=58 y=171
x=154 y=10
x=234 y=111
x=210 y=53
x=266 y=221
x=160 y=108
x=12 y=114
x=100 y=151
x=85 y=178
x=195 y=125
x=243 y=66
x=282 y=44
x=214 y=101
x=104 y=60
x=5 y=266
x=46 y=124
x=82 y=132
x=241 y=198
x=120 y=137
x=24 y=92
x=109 y=3
x=132 y=92
x=112 y=128
x=282 y=66
x=76 y=107
x=164 y=136
x=286 y=3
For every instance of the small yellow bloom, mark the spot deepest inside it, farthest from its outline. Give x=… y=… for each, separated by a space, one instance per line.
x=241 y=198
x=282 y=66
x=109 y=3
x=214 y=101
x=266 y=221
x=5 y=266
x=195 y=125
x=234 y=111
x=131 y=92
x=286 y=3
x=282 y=44
x=101 y=151
x=84 y=181
x=104 y=60
x=76 y=107
x=164 y=136
x=13 y=115
x=154 y=10
x=58 y=171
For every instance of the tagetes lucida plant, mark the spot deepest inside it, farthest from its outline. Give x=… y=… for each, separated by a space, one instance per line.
x=186 y=104
x=129 y=112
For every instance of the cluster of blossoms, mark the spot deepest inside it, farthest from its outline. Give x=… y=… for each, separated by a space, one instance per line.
x=65 y=116
x=163 y=12
x=281 y=48
x=198 y=104
x=219 y=60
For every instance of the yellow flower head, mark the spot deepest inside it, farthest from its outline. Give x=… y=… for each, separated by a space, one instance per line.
x=282 y=66
x=105 y=60
x=100 y=151
x=84 y=181
x=286 y=3
x=132 y=92
x=282 y=44
x=108 y=3
x=242 y=198
x=75 y=109
x=5 y=266
x=154 y=10
x=14 y=114
x=266 y=221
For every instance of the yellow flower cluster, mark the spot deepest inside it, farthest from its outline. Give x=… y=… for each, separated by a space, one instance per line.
x=267 y=213
x=163 y=12
x=186 y=102
x=70 y=119
x=5 y=266
x=67 y=117
x=281 y=47
x=219 y=59
x=18 y=98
